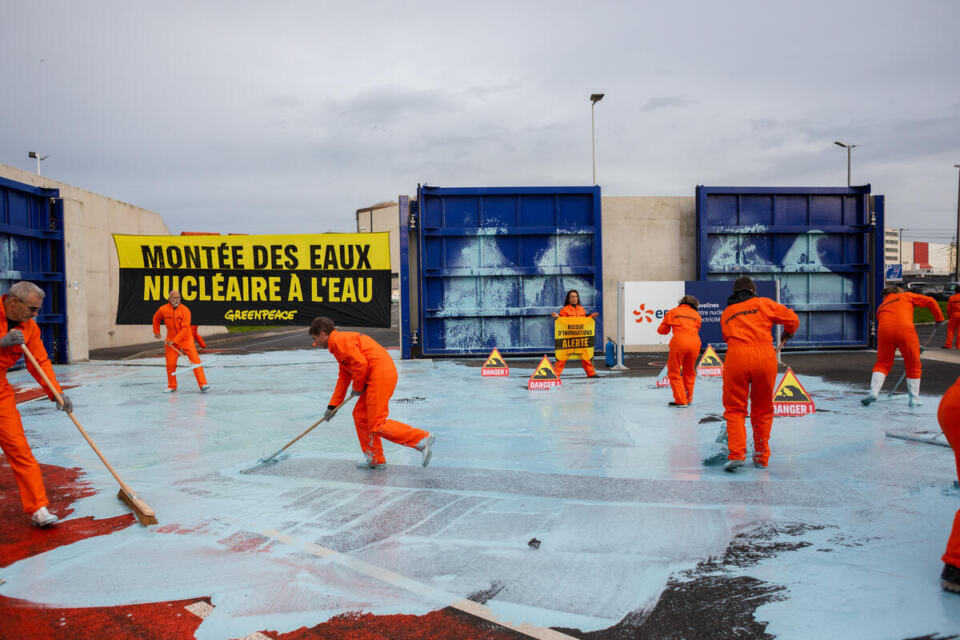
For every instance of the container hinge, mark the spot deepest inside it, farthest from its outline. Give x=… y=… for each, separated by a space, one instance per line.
x=412 y=217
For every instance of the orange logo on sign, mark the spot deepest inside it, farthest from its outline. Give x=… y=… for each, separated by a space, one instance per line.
x=646 y=315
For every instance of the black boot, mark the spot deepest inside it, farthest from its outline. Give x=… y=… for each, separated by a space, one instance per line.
x=950 y=578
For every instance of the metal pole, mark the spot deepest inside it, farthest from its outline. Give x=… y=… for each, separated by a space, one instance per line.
x=593 y=139
x=38 y=164
x=620 y=329
x=956 y=241
x=849 y=149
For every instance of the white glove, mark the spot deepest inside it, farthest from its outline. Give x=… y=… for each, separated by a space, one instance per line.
x=13 y=338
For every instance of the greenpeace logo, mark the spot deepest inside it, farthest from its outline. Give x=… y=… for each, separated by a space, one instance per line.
x=234 y=315
x=742 y=313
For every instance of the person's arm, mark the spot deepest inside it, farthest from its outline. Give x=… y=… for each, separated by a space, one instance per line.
x=779 y=314
x=340 y=391
x=929 y=303
x=156 y=322
x=184 y=333
x=353 y=366
x=664 y=327
x=34 y=342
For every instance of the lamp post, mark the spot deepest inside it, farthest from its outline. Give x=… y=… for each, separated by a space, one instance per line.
x=594 y=99
x=956 y=240
x=849 y=148
x=36 y=154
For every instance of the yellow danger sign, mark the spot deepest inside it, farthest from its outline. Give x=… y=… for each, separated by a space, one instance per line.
x=710 y=363
x=573 y=337
x=544 y=376
x=790 y=398
x=495 y=365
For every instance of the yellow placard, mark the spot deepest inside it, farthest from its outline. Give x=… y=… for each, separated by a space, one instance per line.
x=573 y=337
x=710 y=358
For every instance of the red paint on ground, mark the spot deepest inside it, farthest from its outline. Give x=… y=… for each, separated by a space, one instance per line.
x=25 y=395
x=449 y=624
x=155 y=621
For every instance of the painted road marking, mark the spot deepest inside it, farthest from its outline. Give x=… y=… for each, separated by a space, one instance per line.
x=438 y=595
x=202 y=609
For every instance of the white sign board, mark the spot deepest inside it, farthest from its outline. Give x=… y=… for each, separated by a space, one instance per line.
x=644 y=305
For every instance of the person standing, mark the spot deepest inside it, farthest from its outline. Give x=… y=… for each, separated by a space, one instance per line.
x=374 y=376
x=750 y=369
x=684 y=320
x=895 y=330
x=175 y=316
x=20 y=305
x=948 y=414
x=953 y=319
x=572 y=309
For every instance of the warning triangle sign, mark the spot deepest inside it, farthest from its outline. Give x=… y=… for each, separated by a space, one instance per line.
x=544 y=376
x=663 y=379
x=710 y=363
x=790 y=398
x=495 y=365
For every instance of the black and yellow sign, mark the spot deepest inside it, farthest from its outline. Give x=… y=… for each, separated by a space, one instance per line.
x=495 y=365
x=544 y=376
x=573 y=337
x=790 y=398
x=258 y=280
x=710 y=363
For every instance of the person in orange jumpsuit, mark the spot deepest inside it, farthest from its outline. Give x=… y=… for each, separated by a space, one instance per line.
x=176 y=318
x=750 y=369
x=953 y=319
x=684 y=320
x=948 y=414
x=374 y=376
x=895 y=330
x=572 y=309
x=195 y=330
x=19 y=307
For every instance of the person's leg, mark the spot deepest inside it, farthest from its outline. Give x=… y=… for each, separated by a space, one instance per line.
x=559 y=365
x=380 y=386
x=171 y=356
x=909 y=346
x=13 y=442
x=675 y=374
x=761 y=405
x=689 y=367
x=736 y=390
x=948 y=415
x=191 y=352
x=369 y=442
x=953 y=331
x=588 y=367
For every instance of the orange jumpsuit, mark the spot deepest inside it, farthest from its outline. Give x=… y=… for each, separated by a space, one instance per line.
x=577 y=311
x=26 y=470
x=949 y=417
x=177 y=322
x=372 y=371
x=684 y=349
x=953 y=324
x=895 y=330
x=196 y=336
x=750 y=369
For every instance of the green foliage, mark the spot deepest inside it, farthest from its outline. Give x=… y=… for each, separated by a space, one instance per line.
x=923 y=315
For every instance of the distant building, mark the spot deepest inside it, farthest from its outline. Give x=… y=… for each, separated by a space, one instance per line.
x=384 y=216
x=891 y=245
x=927 y=259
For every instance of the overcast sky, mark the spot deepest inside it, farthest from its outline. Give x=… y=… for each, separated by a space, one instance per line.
x=257 y=117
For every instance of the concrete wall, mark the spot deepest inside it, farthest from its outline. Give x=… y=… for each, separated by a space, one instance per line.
x=92 y=270
x=384 y=217
x=646 y=238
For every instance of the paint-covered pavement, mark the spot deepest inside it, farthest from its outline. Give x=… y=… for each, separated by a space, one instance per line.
x=840 y=537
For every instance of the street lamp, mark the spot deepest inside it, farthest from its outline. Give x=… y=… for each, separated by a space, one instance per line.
x=594 y=99
x=849 y=148
x=956 y=244
x=36 y=154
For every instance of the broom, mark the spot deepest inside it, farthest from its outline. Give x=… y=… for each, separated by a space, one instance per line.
x=141 y=509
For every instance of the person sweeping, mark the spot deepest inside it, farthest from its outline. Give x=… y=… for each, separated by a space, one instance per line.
x=895 y=330
x=175 y=316
x=948 y=414
x=750 y=369
x=953 y=319
x=684 y=321
x=572 y=309
x=370 y=368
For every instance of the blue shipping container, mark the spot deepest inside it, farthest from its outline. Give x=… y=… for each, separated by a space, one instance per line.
x=493 y=263
x=31 y=248
x=823 y=245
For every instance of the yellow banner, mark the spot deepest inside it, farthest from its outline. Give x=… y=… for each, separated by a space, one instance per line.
x=298 y=252
x=574 y=338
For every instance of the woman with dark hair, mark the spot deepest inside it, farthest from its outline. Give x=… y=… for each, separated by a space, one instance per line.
x=572 y=309
x=684 y=321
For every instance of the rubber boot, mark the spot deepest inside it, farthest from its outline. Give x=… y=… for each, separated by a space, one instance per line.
x=876 y=383
x=913 y=386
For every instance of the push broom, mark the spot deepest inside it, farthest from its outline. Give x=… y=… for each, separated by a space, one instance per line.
x=141 y=509
x=272 y=459
x=190 y=368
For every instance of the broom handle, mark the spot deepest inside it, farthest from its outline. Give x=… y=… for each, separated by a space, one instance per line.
x=174 y=347
x=315 y=424
x=53 y=389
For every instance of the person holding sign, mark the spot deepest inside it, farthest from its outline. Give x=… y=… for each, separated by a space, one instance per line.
x=750 y=370
x=684 y=320
x=176 y=318
x=19 y=307
x=572 y=309
x=895 y=330
x=374 y=377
